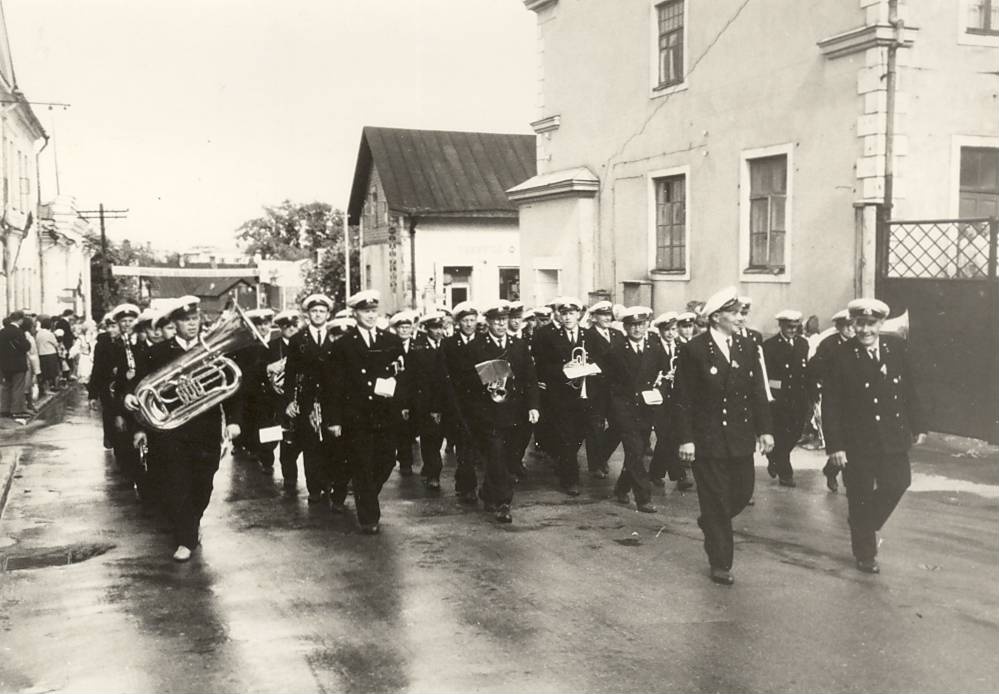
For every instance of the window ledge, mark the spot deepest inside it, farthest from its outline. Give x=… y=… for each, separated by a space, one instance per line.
x=978 y=37
x=752 y=274
x=664 y=91
x=669 y=275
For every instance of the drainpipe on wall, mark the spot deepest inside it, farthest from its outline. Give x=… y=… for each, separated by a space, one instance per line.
x=890 y=79
x=412 y=261
x=38 y=212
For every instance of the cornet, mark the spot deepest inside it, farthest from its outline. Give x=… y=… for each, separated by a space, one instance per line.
x=577 y=369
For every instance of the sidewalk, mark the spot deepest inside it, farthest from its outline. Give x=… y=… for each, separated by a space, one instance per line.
x=11 y=431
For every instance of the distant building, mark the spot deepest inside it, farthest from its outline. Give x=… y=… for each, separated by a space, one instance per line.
x=65 y=258
x=214 y=256
x=684 y=146
x=440 y=195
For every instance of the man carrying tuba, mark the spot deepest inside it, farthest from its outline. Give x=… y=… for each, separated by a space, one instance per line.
x=498 y=409
x=190 y=452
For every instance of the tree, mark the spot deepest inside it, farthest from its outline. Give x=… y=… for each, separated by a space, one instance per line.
x=295 y=231
x=117 y=290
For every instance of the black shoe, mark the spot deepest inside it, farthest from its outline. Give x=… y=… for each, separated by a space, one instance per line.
x=489 y=505
x=406 y=470
x=788 y=482
x=503 y=514
x=831 y=473
x=684 y=485
x=372 y=529
x=647 y=508
x=658 y=481
x=337 y=508
x=622 y=498
x=433 y=485
x=267 y=468
x=467 y=498
x=868 y=566
x=772 y=470
x=315 y=498
x=722 y=577
x=598 y=474
x=571 y=489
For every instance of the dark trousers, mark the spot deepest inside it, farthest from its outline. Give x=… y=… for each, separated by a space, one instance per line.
x=724 y=487
x=12 y=384
x=499 y=447
x=634 y=475
x=431 y=440
x=874 y=486
x=518 y=447
x=370 y=459
x=569 y=422
x=666 y=456
x=317 y=466
x=107 y=421
x=467 y=458
x=405 y=437
x=126 y=457
x=189 y=467
x=788 y=425
x=602 y=440
x=288 y=455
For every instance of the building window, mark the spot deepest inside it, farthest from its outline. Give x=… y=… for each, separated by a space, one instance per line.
x=979 y=186
x=671 y=224
x=509 y=283
x=457 y=284
x=669 y=18
x=767 y=213
x=983 y=17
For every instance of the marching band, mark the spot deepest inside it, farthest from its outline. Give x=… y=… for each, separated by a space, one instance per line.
x=354 y=391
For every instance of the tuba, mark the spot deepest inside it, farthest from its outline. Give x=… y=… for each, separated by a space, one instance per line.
x=200 y=379
x=494 y=374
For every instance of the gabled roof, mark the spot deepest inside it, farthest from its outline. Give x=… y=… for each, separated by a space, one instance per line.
x=196 y=286
x=438 y=173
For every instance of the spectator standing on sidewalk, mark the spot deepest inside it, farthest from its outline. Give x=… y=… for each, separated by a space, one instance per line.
x=14 y=347
x=34 y=366
x=48 y=355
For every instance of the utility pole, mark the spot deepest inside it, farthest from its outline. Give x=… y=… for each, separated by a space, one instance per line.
x=101 y=214
x=346 y=254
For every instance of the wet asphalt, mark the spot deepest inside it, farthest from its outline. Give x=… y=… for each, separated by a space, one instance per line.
x=576 y=595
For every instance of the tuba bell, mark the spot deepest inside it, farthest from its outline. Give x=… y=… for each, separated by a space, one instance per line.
x=198 y=380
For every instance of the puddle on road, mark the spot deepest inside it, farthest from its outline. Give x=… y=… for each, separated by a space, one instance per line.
x=922 y=482
x=53 y=556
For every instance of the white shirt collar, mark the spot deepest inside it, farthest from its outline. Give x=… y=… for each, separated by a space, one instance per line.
x=721 y=339
x=184 y=343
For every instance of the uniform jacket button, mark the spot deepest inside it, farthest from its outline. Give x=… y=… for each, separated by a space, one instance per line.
x=877 y=418
x=875 y=401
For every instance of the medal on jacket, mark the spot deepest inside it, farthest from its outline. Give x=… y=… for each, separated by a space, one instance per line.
x=713 y=370
x=735 y=364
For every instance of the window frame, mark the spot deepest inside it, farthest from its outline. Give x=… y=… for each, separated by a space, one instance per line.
x=656 y=89
x=959 y=142
x=747 y=273
x=968 y=36
x=651 y=178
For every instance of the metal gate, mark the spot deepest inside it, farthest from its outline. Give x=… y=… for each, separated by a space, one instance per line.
x=943 y=271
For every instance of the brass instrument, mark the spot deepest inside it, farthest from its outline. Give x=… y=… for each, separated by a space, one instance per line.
x=577 y=369
x=200 y=379
x=494 y=375
x=275 y=374
x=316 y=419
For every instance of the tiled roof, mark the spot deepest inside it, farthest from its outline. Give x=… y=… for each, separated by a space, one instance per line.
x=442 y=173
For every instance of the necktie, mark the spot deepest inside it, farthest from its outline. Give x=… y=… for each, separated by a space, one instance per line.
x=873 y=351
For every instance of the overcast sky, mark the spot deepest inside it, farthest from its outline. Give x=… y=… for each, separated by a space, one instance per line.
x=195 y=113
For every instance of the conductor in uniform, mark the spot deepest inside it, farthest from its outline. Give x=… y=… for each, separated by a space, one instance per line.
x=500 y=409
x=786 y=357
x=722 y=416
x=189 y=453
x=368 y=394
x=871 y=416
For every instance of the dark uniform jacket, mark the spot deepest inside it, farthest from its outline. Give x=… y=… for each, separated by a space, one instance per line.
x=818 y=365
x=721 y=406
x=552 y=350
x=306 y=374
x=350 y=393
x=128 y=364
x=206 y=428
x=867 y=408
x=98 y=387
x=425 y=365
x=787 y=366
x=598 y=350
x=461 y=383
x=629 y=374
x=521 y=387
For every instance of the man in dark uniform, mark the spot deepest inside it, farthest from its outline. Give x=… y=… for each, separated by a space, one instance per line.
x=258 y=405
x=403 y=324
x=309 y=359
x=425 y=366
x=602 y=438
x=665 y=457
x=786 y=355
x=500 y=407
x=99 y=385
x=567 y=410
x=461 y=384
x=278 y=349
x=127 y=358
x=515 y=330
x=722 y=416
x=818 y=367
x=369 y=392
x=638 y=367
x=685 y=327
x=871 y=416
x=189 y=453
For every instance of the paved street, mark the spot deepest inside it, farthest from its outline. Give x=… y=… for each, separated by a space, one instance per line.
x=576 y=595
